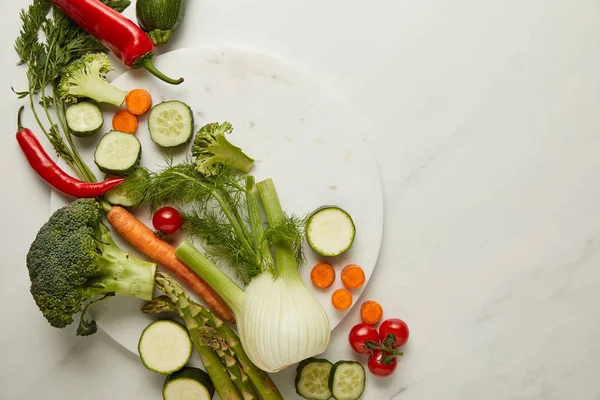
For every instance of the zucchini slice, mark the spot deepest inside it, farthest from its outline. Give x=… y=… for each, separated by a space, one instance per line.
x=171 y=123
x=330 y=231
x=165 y=347
x=84 y=119
x=118 y=153
x=312 y=379
x=188 y=383
x=347 y=380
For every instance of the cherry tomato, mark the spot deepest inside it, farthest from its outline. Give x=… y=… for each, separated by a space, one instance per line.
x=360 y=334
x=397 y=327
x=167 y=220
x=379 y=366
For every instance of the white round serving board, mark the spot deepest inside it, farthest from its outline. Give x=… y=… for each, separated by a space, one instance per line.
x=297 y=130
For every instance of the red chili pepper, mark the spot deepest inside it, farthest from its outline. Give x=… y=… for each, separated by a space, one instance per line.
x=47 y=169
x=119 y=34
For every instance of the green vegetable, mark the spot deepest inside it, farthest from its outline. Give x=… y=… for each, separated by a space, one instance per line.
x=84 y=119
x=165 y=347
x=73 y=259
x=212 y=149
x=122 y=195
x=188 y=383
x=159 y=18
x=203 y=317
x=86 y=78
x=330 y=231
x=306 y=329
x=118 y=153
x=171 y=123
x=347 y=380
x=312 y=379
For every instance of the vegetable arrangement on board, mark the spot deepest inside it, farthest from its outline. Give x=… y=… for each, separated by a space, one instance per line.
x=210 y=197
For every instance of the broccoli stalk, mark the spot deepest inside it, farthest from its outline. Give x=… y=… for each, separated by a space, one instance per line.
x=86 y=78
x=211 y=149
x=74 y=259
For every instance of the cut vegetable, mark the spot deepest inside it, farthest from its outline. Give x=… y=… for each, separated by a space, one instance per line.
x=330 y=231
x=165 y=347
x=322 y=275
x=84 y=119
x=118 y=153
x=171 y=123
x=347 y=380
x=188 y=383
x=341 y=299
x=371 y=312
x=312 y=379
x=118 y=197
x=353 y=276
x=124 y=121
x=138 y=101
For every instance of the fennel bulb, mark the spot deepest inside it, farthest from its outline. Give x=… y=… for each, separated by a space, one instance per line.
x=279 y=319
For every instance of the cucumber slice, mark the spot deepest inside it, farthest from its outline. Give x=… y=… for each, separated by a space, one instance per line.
x=122 y=194
x=312 y=379
x=84 y=119
x=188 y=383
x=347 y=380
x=165 y=347
x=171 y=123
x=330 y=231
x=118 y=153
x=118 y=195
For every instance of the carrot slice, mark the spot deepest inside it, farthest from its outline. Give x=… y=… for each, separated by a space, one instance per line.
x=371 y=312
x=322 y=275
x=143 y=238
x=138 y=101
x=341 y=299
x=125 y=121
x=353 y=276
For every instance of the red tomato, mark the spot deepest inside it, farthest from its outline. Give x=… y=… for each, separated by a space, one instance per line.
x=360 y=334
x=167 y=220
x=397 y=327
x=381 y=367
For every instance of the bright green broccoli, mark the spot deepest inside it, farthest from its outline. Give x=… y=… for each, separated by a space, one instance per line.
x=86 y=78
x=74 y=259
x=212 y=148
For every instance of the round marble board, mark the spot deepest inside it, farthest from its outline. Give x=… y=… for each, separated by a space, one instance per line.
x=298 y=132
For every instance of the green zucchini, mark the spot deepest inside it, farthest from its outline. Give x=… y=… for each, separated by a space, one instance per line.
x=312 y=379
x=347 y=380
x=84 y=119
x=165 y=347
x=330 y=231
x=118 y=153
x=159 y=18
x=188 y=383
x=171 y=123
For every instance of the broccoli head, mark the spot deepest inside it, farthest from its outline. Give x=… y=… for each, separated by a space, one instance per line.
x=86 y=78
x=211 y=149
x=74 y=259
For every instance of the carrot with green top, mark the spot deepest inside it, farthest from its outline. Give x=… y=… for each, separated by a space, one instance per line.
x=143 y=238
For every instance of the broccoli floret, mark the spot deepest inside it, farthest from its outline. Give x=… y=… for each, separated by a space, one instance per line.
x=86 y=78
x=74 y=259
x=212 y=148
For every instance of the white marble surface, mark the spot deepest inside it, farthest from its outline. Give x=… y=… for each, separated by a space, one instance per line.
x=487 y=118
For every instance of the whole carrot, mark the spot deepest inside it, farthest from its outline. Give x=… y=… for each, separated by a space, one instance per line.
x=142 y=238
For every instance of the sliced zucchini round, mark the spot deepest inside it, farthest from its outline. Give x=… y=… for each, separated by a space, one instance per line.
x=312 y=379
x=330 y=231
x=118 y=153
x=347 y=380
x=84 y=119
x=188 y=383
x=171 y=123
x=165 y=347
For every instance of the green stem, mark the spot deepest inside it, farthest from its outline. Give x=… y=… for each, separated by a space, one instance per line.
x=234 y=210
x=229 y=291
x=146 y=63
x=256 y=225
x=284 y=253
